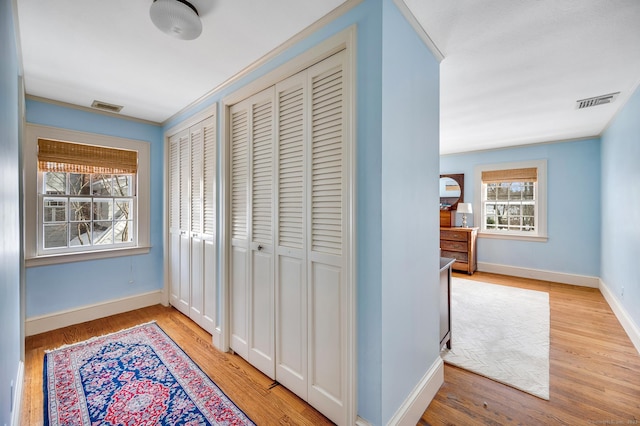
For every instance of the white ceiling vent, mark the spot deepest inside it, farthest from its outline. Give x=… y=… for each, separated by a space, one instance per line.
x=106 y=106
x=598 y=100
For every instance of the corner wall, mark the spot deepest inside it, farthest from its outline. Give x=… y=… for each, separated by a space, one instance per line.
x=10 y=221
x=621 y=212
x=410 y=232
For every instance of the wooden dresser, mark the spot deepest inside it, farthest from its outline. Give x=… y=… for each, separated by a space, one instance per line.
x=460 y=244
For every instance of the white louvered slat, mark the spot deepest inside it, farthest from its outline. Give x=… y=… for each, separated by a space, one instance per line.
x=262 y=173
x=209 y=177
x=184 y=182
x=239 y=173
x=196 y=180
x=291 y=168
x=174 y=183
x=326 y=162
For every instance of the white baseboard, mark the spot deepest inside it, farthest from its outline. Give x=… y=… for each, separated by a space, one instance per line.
x=539 y=274
x=632 y=329
x=17 y=396
x=419 y=399
x=362 y=422
x=43 y=323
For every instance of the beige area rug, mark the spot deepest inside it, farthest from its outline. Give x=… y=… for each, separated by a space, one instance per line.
x=501 y=333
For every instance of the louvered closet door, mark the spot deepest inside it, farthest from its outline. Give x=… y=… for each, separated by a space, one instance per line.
x=179 y=240
x=252 y=292
x=209 y=294
x=184 y=274
x=202 y=153
x=239 y=270
x=174 y=218
x=291 y=277
x=195 y=231
x=326 y=233
x=261 y=291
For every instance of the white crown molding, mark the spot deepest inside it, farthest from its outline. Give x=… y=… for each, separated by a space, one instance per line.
x=43 y=323
x=630 y=327
x=419 y=29
x=539 y=274
x=415 y=405
x=331 y=16
x=93 y=110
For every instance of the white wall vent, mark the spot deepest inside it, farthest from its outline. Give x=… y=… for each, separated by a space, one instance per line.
x=106 y=106
x=598 y=100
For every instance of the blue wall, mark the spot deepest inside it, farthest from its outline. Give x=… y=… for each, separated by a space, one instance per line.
x=65 y=286
x=417 y=327
x=621 y=207
x=410 y=233
x=10 y=221
x=573 y=207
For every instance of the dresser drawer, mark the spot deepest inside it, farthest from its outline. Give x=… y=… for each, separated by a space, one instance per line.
x=457 y=255
x=447 y=234
x=453 y=245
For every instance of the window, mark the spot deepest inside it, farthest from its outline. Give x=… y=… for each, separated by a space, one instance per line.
x=86 y=199
x=513 y=199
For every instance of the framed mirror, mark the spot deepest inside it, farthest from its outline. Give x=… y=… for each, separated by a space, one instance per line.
x=451 y=191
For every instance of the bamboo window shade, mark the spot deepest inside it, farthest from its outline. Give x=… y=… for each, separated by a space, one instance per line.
x=529 y=174
x=68 y=157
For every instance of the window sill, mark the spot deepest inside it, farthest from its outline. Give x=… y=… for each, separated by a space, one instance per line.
x=79 y=257
x=519 y=237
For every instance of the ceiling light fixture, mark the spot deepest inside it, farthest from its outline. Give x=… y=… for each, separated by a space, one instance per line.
x=178 y=18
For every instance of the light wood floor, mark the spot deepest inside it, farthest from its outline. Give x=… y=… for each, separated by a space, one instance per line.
x=594 y=370
x=263 y=401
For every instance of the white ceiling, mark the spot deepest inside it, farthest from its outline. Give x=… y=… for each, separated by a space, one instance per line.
x=512 y=72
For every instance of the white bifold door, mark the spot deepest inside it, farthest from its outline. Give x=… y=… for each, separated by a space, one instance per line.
x=192 y=224
x=288 y=225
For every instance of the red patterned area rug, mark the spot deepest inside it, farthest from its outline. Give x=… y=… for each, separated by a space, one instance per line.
x=137 y=376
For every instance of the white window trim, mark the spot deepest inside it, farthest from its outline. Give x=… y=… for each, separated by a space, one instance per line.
x=541 y=202
x=35 y=132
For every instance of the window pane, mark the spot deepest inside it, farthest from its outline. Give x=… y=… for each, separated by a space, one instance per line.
x=101 y=185
x=55 y=210
x=79 y=184
x=102 y=209
x=503 y=191
x=529 y=223
x=103 y=232
x=490 y=209
x=528 y=210
x=55 y=235
x=502 y=220
x=491 y=192
x=80 y=234
x=528 y=191
x=122 y=186
x=123 y=209
x=491 y=220
x=79 y=209
x=123 y=231
x=514 y=209
x=514 y=221
x=55 y=183
x=515 y=191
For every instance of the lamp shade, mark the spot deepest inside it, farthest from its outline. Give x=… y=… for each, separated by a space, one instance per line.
x=178 y=18
x=465 y=208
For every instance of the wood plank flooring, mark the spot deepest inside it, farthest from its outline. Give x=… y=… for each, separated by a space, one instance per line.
x=265 y=402
x=594 y=370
